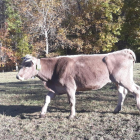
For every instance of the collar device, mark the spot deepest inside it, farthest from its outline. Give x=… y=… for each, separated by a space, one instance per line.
x=38 y=66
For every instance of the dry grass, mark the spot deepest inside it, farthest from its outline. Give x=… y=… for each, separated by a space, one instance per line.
x=21 y=102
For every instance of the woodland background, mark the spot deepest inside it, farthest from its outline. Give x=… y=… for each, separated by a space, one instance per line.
x=60 y=27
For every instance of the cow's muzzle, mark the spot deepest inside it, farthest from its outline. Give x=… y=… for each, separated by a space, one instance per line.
x=19 y=78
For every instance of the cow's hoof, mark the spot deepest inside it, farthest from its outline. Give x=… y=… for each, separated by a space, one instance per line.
x=42 y=115
x=117 y=110
x=71 y=117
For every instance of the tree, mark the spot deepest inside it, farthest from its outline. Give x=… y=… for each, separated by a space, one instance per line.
x=85 y=26
x=15 y=34
x=40 y=17
x=130 y=34
x=93 y=26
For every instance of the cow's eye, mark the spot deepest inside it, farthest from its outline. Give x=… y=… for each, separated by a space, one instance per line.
x=28 y=64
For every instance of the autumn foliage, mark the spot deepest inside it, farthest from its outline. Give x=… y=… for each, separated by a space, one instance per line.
x=39 y=27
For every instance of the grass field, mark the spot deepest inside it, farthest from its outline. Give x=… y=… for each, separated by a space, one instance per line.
x=21 y=102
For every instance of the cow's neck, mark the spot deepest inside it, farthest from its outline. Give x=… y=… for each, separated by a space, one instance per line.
x=42 y=77
x=44 y=70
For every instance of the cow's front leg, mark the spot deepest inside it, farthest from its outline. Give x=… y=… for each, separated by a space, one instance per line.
x=122 y=92
x=72 y=100
x=49 y=96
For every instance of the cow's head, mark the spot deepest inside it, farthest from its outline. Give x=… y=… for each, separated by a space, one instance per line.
x=29 y=68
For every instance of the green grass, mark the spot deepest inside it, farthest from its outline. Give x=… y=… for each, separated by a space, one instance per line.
x=21 y=102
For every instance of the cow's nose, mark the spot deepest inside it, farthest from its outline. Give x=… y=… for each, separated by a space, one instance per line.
x=17 y=77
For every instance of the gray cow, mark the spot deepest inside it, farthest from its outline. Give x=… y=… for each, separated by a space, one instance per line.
x=68 y=74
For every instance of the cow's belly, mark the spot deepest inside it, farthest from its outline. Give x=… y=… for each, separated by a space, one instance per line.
x=92 y=86
x=92 y=82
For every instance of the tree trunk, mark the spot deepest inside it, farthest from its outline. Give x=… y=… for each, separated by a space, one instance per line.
x=47 y=43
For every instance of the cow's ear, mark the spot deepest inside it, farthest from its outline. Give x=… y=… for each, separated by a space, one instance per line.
x=32 y=63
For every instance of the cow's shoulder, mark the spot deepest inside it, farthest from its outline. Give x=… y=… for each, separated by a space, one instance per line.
x=63 y=69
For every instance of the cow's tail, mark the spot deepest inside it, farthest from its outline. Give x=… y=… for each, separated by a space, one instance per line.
x=131 y=53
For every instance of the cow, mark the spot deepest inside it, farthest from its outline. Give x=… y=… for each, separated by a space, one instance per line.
x=69 y=74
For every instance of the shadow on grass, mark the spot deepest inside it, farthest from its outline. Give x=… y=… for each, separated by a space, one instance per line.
x=24 y=87
x=125 y=113
x=21 y=83
x=16 y=110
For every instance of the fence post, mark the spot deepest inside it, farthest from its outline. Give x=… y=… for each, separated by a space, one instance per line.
x=16 y=67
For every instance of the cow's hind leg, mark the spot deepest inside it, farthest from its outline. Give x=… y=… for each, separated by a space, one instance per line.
x=49 y=96
x=122 y=92
x=135 y=89
x=136 y=92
